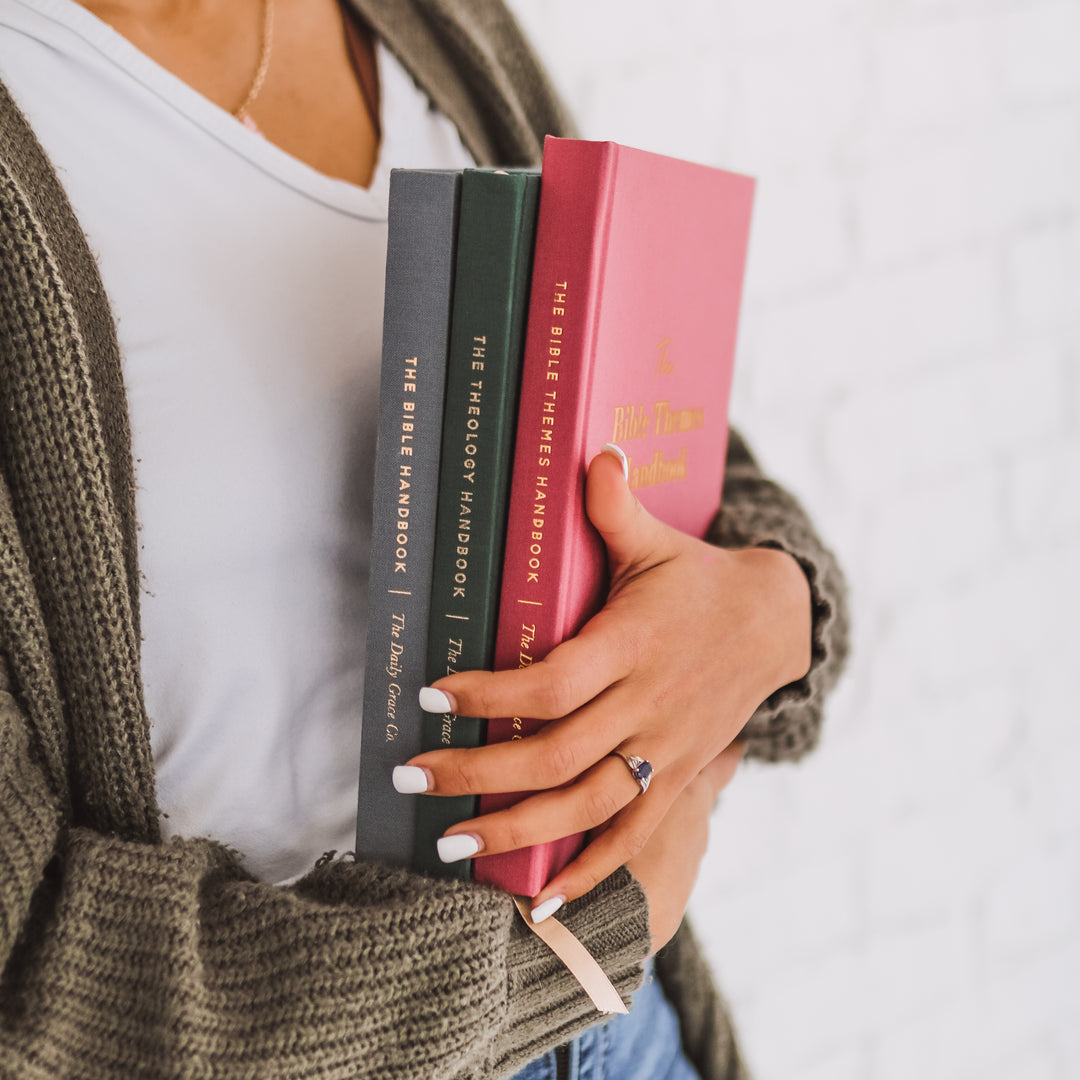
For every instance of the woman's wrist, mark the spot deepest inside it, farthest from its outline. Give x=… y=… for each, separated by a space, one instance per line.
x=780 y=633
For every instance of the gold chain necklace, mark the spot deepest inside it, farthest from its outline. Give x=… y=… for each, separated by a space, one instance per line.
x=241 y=111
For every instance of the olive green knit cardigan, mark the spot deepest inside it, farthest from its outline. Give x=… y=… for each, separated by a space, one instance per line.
x=123 y=956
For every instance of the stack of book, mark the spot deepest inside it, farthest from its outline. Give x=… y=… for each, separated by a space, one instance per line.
x=529 y=320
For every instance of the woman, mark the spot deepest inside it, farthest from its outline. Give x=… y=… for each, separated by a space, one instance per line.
x=189 y=333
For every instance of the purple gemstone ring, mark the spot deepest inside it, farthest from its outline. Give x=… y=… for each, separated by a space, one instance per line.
x=639 y=768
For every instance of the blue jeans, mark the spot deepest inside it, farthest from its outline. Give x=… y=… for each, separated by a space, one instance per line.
x=643 y=1045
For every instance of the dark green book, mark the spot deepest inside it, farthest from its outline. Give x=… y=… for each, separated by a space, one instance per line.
x=416 y=332
x=496 y=231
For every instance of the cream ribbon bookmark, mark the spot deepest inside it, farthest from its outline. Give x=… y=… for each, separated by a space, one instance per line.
x=578 y=960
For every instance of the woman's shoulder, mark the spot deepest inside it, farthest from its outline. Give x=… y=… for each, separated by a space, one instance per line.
x=476 y=64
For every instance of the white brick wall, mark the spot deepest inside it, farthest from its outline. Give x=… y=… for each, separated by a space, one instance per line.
x=907 y=902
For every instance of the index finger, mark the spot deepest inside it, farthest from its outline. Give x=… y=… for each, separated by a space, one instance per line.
x=570 y=676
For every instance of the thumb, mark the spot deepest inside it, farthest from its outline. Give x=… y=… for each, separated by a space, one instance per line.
x=630 y=533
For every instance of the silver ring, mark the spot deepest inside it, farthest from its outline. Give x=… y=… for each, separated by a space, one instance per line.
x=640 y=769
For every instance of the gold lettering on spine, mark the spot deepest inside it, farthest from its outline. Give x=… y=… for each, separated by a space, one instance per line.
x=479 y=352
x=546 y=436
x=394 y=669
x=545 y=448
x=464 y=533
x=525 y=659
x=555 y=334
x=453 y=653
x=470 y=435
x=405 y=449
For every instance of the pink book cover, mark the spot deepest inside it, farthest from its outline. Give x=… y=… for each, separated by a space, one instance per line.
x=633 y=313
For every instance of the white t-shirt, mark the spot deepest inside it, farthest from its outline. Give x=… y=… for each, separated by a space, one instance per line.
x=248 y=292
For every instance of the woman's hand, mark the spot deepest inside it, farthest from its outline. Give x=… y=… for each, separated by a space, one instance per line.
x=691 y=640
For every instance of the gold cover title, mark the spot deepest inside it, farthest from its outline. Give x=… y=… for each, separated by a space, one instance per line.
x=639 y=421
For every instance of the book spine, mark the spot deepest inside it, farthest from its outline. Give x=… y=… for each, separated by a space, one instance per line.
x=496 y=231
x=416 y=321
x=553 y=570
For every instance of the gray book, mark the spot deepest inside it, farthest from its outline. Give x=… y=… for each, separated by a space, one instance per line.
x=496 y=233
x=416 y=333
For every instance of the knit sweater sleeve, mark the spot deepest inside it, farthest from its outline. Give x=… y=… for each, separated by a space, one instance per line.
x=757 y=512
x=125 y=959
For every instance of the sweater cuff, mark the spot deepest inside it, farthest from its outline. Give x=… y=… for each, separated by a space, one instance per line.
x=612 y=922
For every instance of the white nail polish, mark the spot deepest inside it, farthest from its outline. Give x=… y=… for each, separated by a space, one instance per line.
x=456 y=848
x=546 y=909
x=432 y=700
x=411 y=779
x=614 y=448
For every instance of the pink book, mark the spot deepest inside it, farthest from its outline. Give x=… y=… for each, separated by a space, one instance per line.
x=631 y=338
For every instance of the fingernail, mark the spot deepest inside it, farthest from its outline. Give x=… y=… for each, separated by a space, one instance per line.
x=432 y=700
x=411 y=779
x=617 y=451
x=547 y=908
x=457 y=847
